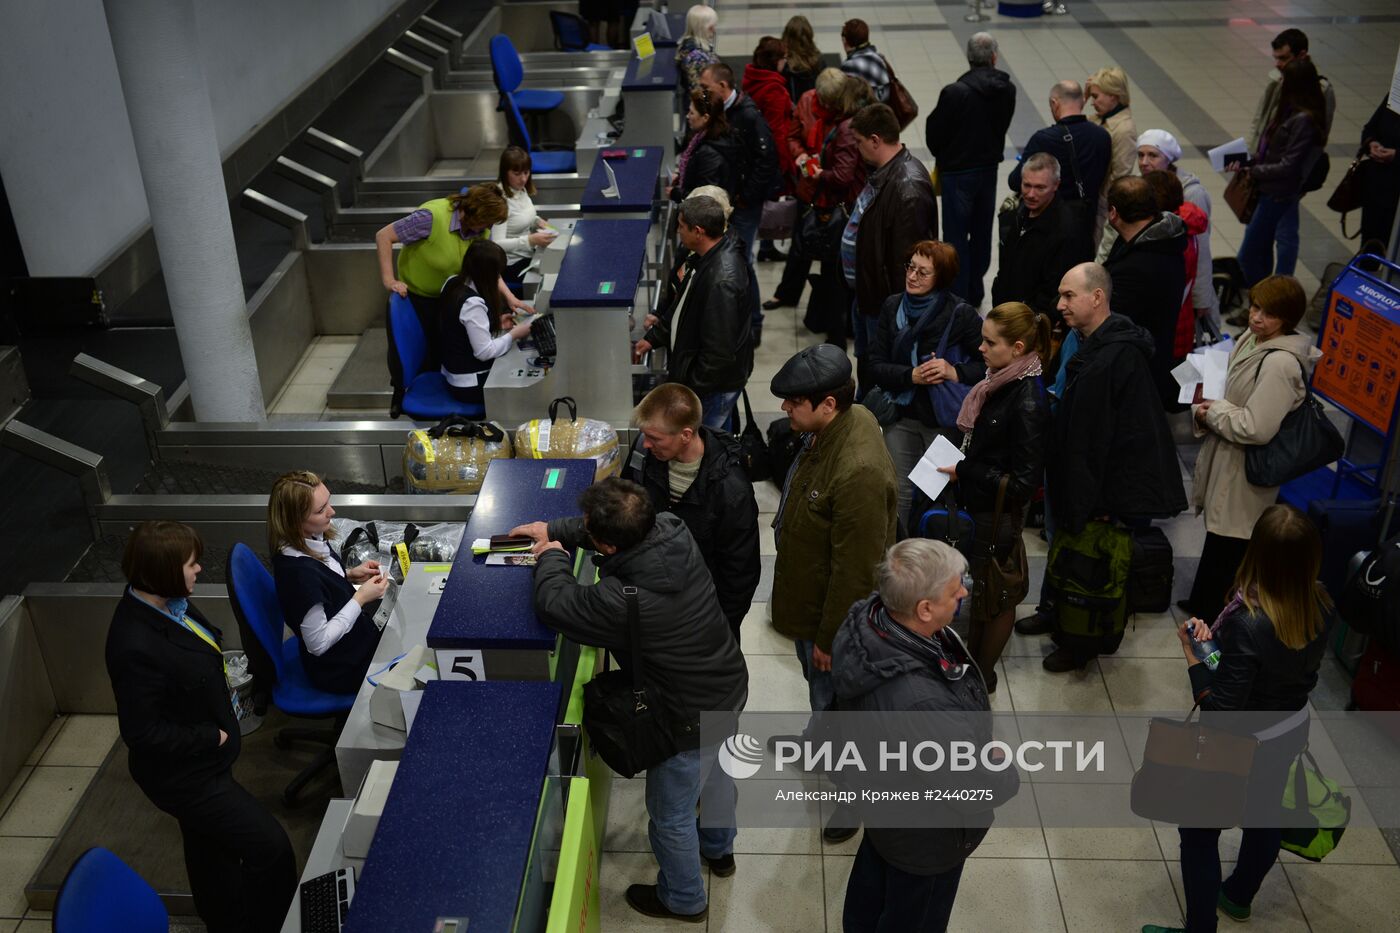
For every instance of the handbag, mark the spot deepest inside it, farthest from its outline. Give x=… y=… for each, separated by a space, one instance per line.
x=1241 y=195
x=757 y=459
x=1305 y=441
x=1312 y=830
x=778 y=219
x=1192 y=774
x=899 y=99
x=625 y=725
x=818 y=234
x=1348 y=195
x=997 y=582
x=879 y=403
x=949 y=524
x=947 y=397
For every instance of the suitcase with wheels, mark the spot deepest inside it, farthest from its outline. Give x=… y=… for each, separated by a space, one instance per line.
x=1151 y=572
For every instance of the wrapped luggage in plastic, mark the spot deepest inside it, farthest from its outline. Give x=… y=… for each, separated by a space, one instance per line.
x=358 y=542
x=452 y=455
x=572 y=438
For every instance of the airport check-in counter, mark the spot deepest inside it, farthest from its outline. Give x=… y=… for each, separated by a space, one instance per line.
x=601 y=279
x=649 y=106
x=483 y=614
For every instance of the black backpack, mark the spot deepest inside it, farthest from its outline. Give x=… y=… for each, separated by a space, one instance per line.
x=1317 y=174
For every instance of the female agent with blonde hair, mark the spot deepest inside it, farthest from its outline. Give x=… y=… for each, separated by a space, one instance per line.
x=1005 y=420
x=1271 y=638
x=333 y=620
x=1107 y=90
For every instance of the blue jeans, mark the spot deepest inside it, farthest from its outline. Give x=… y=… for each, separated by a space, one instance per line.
x=883 y=899
x=820 y=690
x=674 y=787
x=863 y=327
x=717 y=410
x=969 y=208
x=1275 y=221
x=745 y=221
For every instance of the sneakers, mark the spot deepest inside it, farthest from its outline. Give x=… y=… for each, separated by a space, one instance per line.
x=1038 y=623
x=721 y=867
x=644 y=900
x=1061 y=661
x=1229 y=908
x=1050 y=6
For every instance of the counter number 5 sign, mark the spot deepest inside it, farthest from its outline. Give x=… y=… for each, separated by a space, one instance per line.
x=461 y=664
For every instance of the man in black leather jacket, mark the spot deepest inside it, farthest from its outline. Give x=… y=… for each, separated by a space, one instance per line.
x=707 y=326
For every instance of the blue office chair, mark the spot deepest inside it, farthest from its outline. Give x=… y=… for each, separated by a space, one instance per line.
x=508 y=72
x=571 y=33
x=542 y=162
x=101 y=894
x=418 y=394
x=253 y=595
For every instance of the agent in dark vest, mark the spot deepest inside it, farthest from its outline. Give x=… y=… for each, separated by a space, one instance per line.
x=333 y=620
x=472 y=331
x=180 y=727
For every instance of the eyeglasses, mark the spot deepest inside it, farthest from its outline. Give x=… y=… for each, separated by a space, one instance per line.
x=916 y=272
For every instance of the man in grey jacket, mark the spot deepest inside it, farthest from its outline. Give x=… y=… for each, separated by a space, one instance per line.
x=692 y=664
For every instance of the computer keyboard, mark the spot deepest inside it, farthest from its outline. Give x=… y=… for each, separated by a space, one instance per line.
x=325 y=901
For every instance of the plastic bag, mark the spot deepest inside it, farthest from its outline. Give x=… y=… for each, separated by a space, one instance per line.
x=375 y=540
x=452 y=456
x=573 y=438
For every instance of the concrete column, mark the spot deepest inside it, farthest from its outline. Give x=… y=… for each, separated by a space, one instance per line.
x=167 y=98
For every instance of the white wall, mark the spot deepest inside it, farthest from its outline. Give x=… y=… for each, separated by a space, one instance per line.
x=65 y=143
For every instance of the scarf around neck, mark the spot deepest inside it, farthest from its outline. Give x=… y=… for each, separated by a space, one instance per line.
x=1023 y=366
x=915 y=314
x=932 y=651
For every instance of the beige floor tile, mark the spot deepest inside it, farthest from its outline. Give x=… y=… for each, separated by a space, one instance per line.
x=1032 y=688
x=618 y=870
x=34 y=926
x=47 y=739
x=776 y=684
x=301 y=400
x=318 y=370
x=84 y=740
x=1147 y=684
x=983 y=902
x=1151 y=635
x=1117 y=896
x=18 y=860
x=13 y=790
x=1123 y=844
x=837 y=869
x=45 y=801
x=766 y=546
x=1347 y=898
x=8 y=925
x=766 y=494
x=1275 y=907
x=1010 y=842
x=760 y=638
x=774 y=893
x=627 y=816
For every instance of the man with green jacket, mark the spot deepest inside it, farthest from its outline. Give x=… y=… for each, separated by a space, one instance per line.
x=836 y=517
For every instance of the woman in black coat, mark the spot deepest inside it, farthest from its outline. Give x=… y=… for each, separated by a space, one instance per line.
x=1380 y=174
x=178 y=720
x=1271 y=639
x=334 y=621
x=1006 y=418
x=712 y=153
x=906 y=363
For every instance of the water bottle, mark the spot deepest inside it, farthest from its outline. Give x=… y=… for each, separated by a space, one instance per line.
x=1207 y=652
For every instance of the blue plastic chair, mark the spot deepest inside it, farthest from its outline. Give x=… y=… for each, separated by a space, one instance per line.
x=542 y=162
x=571 y=33
x=508 y=72
x=253 y=595
x=101 y=894
x=421 y=395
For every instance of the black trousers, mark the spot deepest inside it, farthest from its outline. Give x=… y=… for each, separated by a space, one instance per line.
x=1215 y=574
x=241 y=866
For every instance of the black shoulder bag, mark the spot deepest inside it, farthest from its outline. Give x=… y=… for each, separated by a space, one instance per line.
x=626 y=726
x=1305 y=441
x=757 y=460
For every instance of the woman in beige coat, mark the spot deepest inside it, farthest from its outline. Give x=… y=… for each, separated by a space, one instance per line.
x=1265 y=382
x=1108 y=93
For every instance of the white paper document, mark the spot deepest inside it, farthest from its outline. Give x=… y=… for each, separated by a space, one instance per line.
x=1186 y=374
x=925 y=475
x=1234 y=147
x=1217 y=363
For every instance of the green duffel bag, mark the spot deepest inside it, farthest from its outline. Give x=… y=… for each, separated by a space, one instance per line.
x=1088 y=577
x=1316 y=812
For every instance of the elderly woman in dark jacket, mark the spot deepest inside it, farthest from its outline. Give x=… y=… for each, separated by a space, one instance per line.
x=179 y=721
x=1291 y=146
x=1006 y=417
x=927 y=342
x=1271 y=639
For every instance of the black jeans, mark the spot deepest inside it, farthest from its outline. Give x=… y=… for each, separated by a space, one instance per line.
x=1215 y=574
x=883 y=899
x=240 y=863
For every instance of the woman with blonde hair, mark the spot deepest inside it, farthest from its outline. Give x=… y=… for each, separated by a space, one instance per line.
x=1271 y=639
x=1107 y=90
x=804 y=59
x=1265 y=380
x=1005 y=420
x=334 y=621
x=696 y=48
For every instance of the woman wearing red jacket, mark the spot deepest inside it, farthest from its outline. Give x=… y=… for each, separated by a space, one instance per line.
x=765 y=83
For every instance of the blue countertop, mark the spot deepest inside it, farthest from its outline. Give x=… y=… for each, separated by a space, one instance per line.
x=457 y=827
x=493 y=607
x=602 y=265
x=657 y=73
x=637 y=177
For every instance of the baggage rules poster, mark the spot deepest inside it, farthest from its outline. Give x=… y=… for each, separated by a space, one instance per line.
x=1360 y=342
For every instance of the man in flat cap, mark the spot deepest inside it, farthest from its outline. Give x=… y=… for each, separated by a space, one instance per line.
x=836 y=517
